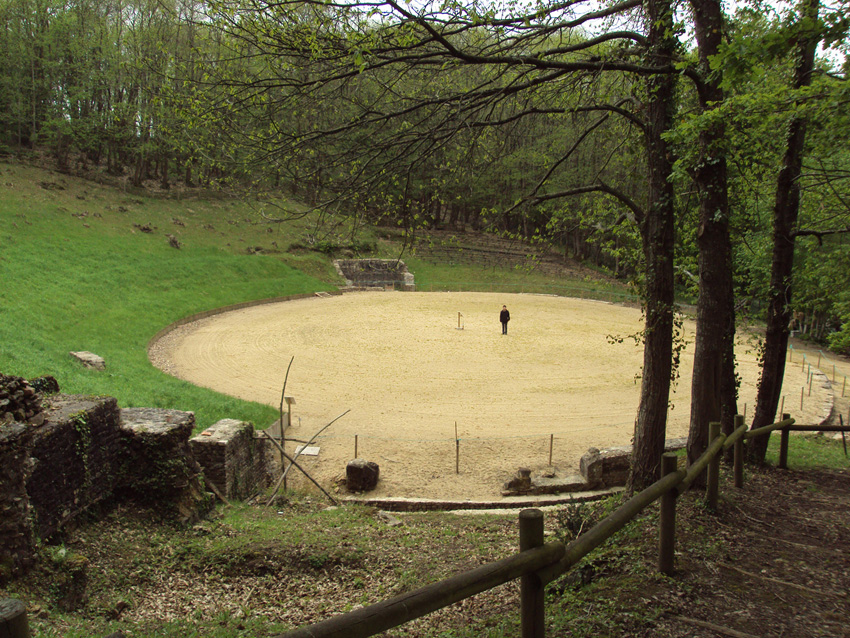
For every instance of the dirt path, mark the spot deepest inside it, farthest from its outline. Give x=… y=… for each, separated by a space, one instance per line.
x=780 y=569
x=399 y=362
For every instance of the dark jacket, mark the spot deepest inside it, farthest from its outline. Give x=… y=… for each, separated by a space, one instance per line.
x=504 y=316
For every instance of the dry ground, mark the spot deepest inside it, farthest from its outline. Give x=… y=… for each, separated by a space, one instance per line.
x=567 y=373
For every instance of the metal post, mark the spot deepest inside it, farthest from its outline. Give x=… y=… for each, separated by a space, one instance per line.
x=667 y=520
x=739 y=454
x=532 y=609
x=711 y=490
x=783 y=444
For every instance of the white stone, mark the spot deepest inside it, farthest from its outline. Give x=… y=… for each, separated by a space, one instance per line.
x=90 y=360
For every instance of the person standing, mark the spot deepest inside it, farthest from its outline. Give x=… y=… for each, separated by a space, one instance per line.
x=504 y=317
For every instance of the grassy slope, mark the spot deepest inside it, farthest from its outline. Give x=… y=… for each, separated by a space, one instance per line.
x=78 y=275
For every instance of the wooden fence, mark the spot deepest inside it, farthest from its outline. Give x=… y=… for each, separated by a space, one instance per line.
x=537 y=564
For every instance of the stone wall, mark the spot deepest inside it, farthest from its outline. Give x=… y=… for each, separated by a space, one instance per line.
x=367 y=273
x=74 y=459
x=16 y=538
x=81 y=451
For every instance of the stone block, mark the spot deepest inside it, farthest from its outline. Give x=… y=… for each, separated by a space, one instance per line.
x=520 y=484
x=160 y=468
x=361 y=475
x=228 y=453
x=610 y=467
x=89 y=359
x=375 y=273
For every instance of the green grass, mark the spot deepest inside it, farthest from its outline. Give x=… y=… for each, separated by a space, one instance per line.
x=469 y=278
x=809 y=451
x=79 y=275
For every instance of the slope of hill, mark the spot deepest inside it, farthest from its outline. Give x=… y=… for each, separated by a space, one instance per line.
x=89 y=267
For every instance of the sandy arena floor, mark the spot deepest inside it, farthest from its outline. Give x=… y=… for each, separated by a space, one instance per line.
x=407 y=374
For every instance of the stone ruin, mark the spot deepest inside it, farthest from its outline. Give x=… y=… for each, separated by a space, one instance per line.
x=600 y=470
x=61 y=455
x=367 y=274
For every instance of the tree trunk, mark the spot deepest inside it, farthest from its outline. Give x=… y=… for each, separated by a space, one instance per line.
x=657 y=234
x=713 y=391
x=786 y=208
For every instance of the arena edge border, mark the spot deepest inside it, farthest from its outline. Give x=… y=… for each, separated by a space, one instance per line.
x=238 y=306
x=403 y=504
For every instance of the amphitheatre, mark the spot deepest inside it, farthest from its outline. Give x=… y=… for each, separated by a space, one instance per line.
x=566 y=375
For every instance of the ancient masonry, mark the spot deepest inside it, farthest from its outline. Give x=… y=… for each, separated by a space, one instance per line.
x=375 y=273
x=60 y=455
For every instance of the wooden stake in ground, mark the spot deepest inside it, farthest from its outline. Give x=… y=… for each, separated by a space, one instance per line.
x=282 y=426
x=457 y=451
x=292 y=460
x=303 y=471
x=13 y=619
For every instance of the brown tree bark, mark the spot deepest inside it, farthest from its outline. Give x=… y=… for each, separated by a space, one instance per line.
x=713 y=390
x=786 y=208
x=657 y=234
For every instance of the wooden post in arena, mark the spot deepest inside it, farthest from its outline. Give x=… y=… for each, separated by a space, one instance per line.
x=13 y=619
x=457 y=451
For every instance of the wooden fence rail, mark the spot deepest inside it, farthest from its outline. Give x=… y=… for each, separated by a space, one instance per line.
x=673 y=482
x=536 y=564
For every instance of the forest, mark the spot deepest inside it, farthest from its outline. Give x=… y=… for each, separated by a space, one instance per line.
x=695 y=150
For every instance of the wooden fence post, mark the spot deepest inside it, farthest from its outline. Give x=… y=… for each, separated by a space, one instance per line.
x=783 y=444
x=712 y=488
x=13 y=619
x=738 y=463
x=532 y=609
x=667 y=520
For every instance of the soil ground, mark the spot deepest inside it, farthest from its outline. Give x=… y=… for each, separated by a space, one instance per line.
x=770 y=563
x=566 y=375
